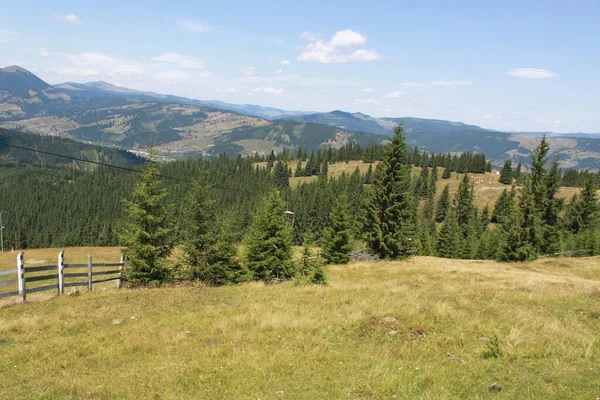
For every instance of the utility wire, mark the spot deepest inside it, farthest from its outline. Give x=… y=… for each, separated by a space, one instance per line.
x=92 y=162
x=105 y=165
x=38 y=171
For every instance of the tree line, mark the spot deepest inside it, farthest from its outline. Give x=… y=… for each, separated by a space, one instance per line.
x=393 y=213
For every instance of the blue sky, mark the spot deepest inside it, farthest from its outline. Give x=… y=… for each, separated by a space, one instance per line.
x=510 y=65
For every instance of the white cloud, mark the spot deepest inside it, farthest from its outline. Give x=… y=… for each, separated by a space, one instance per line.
x=450 y=85
x=367 y=90
x=7 y=36
x=76 y=72
x=181 y=60
x=278 y=71
x=93 y=65
x=394 y=95
x=231 y=90
x=191 y=25
x=269 y=90
x=286 y=63
x=347 y=39
x=248 y=71
x=309 y=36
x=531 y=73
x=127 y=70
x=412 y=84
x=487 y=116
x=344 y=46
x=70 y=18
x=91 y=59
x=366 y=101
x=172 y=76
x=557 y=122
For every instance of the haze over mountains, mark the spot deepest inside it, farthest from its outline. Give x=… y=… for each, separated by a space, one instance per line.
x=102 y=113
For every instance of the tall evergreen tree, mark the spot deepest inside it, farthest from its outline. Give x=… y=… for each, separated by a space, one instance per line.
x=299 y=171
x=146 y=234
x=449 y=237
x=198 y=232
x=392 y=213
x=369 y=175
x=446 y=173
x=269 y=242
x=583 y=211
x=504 y=206
x=336 y=239
x=443 y=204
x=506 y=173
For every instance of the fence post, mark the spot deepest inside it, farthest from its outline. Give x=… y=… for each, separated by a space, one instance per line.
x=61 y=272
x=21 y=276
x=89 y=272
x=120 y=280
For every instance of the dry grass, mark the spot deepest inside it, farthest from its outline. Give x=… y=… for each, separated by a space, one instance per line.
x=486 y=192
x=284 y=341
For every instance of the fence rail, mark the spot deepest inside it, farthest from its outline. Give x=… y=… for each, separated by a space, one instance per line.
x=57 y=281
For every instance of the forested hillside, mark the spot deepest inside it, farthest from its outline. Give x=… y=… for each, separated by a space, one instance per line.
x=17 y=147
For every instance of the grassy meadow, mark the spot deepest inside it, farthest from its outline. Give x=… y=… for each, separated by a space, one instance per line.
x=485 y=193
x=425 y=328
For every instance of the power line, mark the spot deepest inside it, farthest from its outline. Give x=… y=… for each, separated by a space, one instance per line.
x=92 y=162
x=38 y=171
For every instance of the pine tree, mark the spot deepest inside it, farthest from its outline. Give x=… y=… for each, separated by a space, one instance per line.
x=269 y=242
x=443 y=205
x=504 y=206
x=517 y=174
x=299 y=171
x=146 y=234
x=369 y=175
x=336 y=239
x=583 y=211
x=392 y=212
x=223 y=263
x=506 y=173
x=518 y=233
x=281 y=176
x=198 y=233
x=449 y=237
x=446 y=173
x=485 y=218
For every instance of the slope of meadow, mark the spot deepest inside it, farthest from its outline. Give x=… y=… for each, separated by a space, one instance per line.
x=425 y=328
x=487 y=192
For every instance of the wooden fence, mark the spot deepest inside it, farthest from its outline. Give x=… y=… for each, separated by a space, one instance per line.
x=60 y=279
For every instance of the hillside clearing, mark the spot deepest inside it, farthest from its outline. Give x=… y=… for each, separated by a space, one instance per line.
x=379 y=330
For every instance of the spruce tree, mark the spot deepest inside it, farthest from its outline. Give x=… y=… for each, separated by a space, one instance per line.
x=517 y=174
x=485 y=218
x=336 y=239
x=198 y=232
x=583 y=211
x=504 y=206
x=449 y=237
x=269 y=241
x=299 y=171
x=208 y=248
x=392 y=211
x=522 y=230
x=443 y=205
x=446 y=173
x=506 y=173
x=147 y=238
x=369 y=175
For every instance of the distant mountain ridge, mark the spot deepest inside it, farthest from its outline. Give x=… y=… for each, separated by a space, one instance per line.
x=102 y=113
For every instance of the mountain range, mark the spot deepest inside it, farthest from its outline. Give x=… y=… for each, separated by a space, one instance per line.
x=102 y=113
